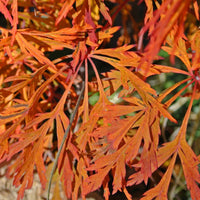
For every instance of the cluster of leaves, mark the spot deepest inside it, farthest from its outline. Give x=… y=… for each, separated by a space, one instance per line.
x=123 y=126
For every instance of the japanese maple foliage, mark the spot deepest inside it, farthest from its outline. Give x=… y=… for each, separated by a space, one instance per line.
x=47 y=52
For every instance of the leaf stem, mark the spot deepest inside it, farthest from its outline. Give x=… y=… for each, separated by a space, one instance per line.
x=64 y=138
x=116 y=12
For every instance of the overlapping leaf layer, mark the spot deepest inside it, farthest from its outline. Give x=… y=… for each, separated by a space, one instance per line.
x=49 y=49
